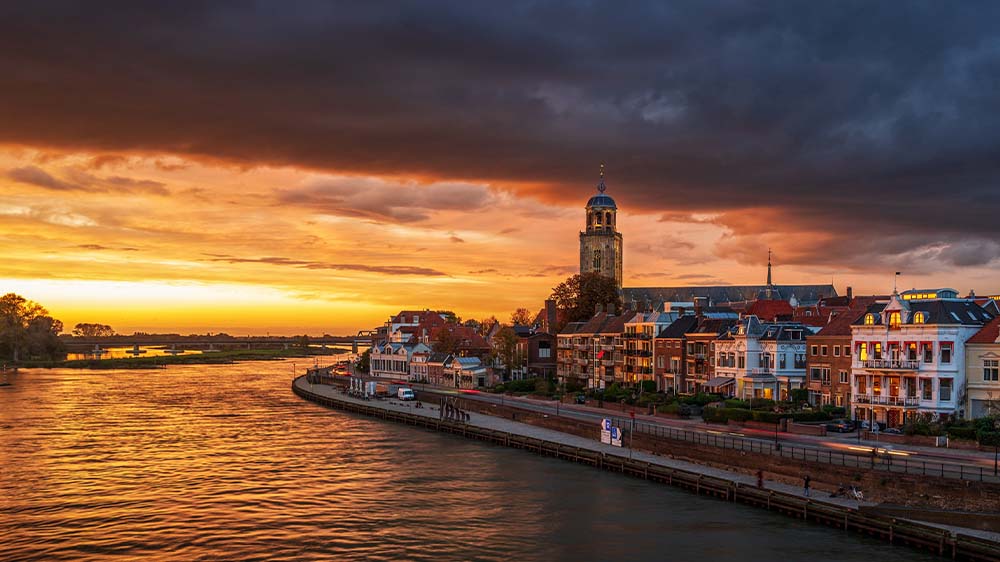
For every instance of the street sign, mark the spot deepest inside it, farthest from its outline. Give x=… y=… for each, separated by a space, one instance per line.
x=616 y=437
x=606 y=431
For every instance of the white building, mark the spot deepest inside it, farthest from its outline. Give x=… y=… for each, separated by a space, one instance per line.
x=909 y=356
x=392 y=360
x=761 y=360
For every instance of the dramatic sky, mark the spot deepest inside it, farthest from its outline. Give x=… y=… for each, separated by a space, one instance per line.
x=315 y=166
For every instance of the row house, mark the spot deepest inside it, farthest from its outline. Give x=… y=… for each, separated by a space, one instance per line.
x=590 y=353
x=982 y=371
x=638 y=345
x=909 y=355
x=392 y=359
x=700 y=345
x=535 y=352
x=466 y=373
x=669 y=351
x=435 y=364
x=828 y=354
x=758 y=359
x=407 y=324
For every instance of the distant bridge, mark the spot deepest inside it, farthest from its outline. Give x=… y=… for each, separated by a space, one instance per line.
x=83 y=344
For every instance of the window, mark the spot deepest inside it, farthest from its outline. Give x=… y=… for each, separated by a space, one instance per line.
x=895 y=319
x=927 y=388
x=836 y=351
x=813 y=350
x=823 y=350
x=991 y=370
x=877 y=385
x=945 y=390
x=877 y=351
x=843 y=379
x=597 y=260
x=800 y=361
x=946 y=353
x=741 y=361
x=928 y=353
x=847 y=351
x=862 y=385
x=919 y=318
x=911 y=352
x=869 y=319
x=840 y=401
x=814 y=373
x=781 y=361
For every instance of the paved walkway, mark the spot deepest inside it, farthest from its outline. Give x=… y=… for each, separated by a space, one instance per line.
x=430 y=410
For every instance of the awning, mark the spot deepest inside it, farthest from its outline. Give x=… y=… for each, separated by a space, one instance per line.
x=719 y=382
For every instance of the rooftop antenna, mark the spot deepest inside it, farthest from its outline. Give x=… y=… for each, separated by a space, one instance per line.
x=600 y=185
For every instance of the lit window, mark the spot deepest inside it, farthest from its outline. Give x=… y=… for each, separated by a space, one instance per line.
x=869 y=319
x=919 y=318
x=863 y=351
x=895 y=319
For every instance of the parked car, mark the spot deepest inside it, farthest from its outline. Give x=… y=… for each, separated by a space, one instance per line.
x=840 y=426
x=406 y=394
x=893 y=431
x=581 y=398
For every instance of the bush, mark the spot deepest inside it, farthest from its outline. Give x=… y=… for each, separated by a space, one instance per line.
x=802 y=417
x=835 y=411
x=713 y=414
x=700 y=399
x=761 y=403
x=735 y=403
x=988 y=438
x=800 y=395
x=648 y=386
x=962 y=433
x=676 y=408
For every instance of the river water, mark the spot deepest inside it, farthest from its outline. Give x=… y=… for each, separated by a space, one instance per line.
x=223 y=462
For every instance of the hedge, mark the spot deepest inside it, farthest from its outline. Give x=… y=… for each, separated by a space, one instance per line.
x=962 y=433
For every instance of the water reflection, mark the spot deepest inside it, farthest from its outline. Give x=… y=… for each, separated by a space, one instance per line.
x=223 y=461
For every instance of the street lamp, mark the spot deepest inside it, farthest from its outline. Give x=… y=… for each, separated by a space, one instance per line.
x=777 y=422
x=996 y=445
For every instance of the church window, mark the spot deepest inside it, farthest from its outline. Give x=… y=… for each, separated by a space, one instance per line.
x=597 y=260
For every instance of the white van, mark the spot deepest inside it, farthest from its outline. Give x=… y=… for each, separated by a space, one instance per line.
x=406 y=394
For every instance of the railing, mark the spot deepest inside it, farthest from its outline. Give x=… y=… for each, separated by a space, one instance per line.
x=882 y=462
x=761 y=371
x=890 y=364
x=886 y=400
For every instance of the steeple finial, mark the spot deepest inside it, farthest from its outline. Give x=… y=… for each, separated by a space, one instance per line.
x=600 y=185
x=769 y=284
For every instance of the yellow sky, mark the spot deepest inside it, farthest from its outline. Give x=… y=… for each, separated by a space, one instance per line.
x=155 y=243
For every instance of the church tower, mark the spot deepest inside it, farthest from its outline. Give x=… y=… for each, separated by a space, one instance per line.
x=601 y=243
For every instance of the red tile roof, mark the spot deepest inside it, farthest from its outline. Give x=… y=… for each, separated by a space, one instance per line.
x=770 y=310
x=989 y=333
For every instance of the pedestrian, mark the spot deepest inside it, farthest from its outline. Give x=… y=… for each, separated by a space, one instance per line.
x=760 y=478
x=805 y=486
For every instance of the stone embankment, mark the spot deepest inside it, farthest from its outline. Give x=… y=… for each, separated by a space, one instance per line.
x=522 y=429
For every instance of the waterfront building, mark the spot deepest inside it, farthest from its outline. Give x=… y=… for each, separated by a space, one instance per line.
x=909 y=355
x=670 y=358
x=435 y=367
x=392 y=359
x=590 y=353
x=828 y=357
x=761 y=359
x=418 y=366
x=699 y=344
x=982 y=371
x=466 y=373
x=535 y=352
x=638 y=344
x=601 y=243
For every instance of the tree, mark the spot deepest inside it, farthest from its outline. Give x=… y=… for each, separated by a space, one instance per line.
x=505 y=349
x=521 y=317
x=85 y=330
x=364 y=362
x=580 y=294
x=26 y=329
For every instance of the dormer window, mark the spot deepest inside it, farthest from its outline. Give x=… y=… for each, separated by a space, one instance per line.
x=919 y=318
x=869 y=319
x=895 y=319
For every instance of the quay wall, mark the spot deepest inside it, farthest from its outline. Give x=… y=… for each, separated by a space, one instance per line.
x=894 y=530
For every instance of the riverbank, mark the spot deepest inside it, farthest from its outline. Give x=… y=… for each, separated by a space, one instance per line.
x=193 y=358
x=730 y=486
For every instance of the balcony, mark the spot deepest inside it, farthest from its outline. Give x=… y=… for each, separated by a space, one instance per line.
x=890 y=364
x=761 y=371
x=886 y=400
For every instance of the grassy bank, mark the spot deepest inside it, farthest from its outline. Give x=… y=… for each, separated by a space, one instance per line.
x=213 y=358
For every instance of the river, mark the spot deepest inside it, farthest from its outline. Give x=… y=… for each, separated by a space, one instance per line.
x=200 y=462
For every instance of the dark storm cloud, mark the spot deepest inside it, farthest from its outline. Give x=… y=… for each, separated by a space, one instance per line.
x=884 y=115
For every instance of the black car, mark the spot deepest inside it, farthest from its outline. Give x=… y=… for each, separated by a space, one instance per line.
x=840 y=426
x=581 y=398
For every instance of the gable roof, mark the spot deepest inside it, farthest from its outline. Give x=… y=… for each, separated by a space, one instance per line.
x=840 y=325
x=942 y=311
x=771 y=310
x=988 y=334
x=679 y=327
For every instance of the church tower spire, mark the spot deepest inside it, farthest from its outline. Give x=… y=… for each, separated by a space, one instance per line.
x=770 y=286
x=601 y=243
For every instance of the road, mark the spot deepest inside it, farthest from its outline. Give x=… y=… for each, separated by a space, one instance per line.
x=847 y=443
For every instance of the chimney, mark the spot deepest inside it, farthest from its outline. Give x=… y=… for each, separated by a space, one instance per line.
x=550 y=316
x=850 y=294
x=598 y=308
x=611 y=309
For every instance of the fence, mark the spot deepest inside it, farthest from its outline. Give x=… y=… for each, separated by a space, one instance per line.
x=884 y=461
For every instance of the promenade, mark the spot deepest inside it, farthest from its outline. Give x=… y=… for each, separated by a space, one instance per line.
x=739 y=480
